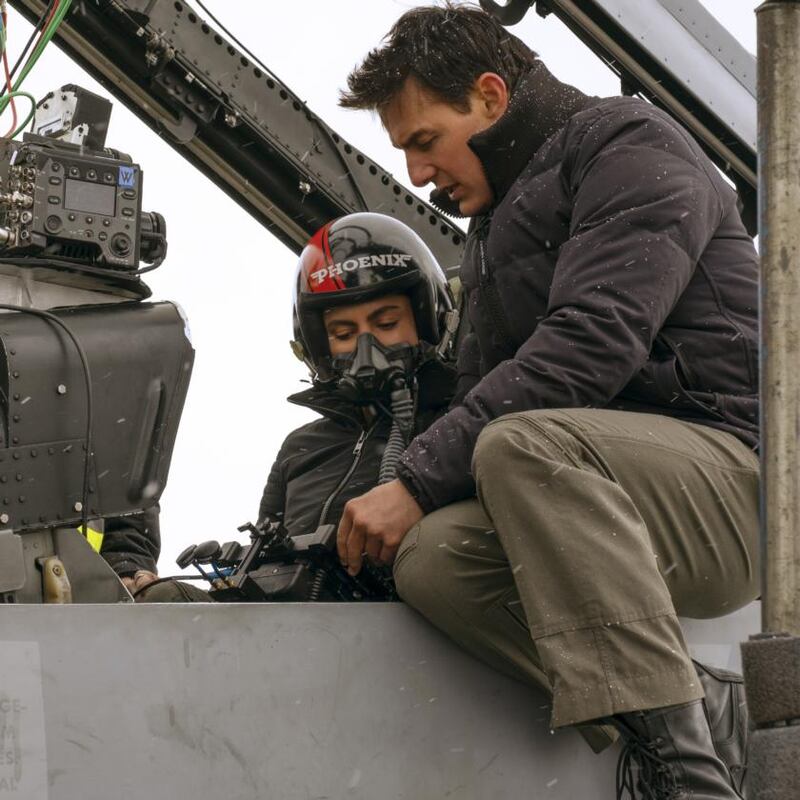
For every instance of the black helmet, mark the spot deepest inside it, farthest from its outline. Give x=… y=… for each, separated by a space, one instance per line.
x=359 y=257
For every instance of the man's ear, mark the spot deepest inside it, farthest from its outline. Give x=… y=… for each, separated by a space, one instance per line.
x=491 y=92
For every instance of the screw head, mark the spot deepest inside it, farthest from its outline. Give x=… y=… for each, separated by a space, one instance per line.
x=4 y=518
x=61 y=389
x=78 y=506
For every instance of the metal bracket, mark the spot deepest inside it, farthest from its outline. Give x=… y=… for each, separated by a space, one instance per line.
x=56 y=587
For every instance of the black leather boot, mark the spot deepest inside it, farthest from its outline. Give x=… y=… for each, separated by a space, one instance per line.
x=668 y=754
x=726 y=706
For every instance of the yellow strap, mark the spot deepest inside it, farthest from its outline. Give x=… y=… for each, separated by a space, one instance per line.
x=95 y=538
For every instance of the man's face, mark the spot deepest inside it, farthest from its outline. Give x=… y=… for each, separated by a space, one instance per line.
x=433 y=134
x=389 y=319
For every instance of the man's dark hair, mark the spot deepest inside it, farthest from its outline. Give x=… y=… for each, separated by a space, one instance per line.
x=445 y=48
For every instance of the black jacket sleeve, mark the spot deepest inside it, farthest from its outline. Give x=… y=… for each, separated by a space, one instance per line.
x=273 y=500
x=132 y=543
x=644 y=207
x=468 y=368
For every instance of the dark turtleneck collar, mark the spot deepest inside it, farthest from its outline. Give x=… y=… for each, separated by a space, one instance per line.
x=539 y=106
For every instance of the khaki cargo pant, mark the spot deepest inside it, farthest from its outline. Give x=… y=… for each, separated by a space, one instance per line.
x=591 y=530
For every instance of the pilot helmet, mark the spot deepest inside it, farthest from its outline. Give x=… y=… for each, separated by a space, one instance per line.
x=359 y=257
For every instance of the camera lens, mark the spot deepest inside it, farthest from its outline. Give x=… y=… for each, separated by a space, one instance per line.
x=152 y=236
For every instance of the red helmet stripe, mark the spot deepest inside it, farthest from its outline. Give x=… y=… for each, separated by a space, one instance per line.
x=322 y=259
x=337 y=281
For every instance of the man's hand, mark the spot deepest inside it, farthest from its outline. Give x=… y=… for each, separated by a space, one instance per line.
x=375 y=524
x=133 y=583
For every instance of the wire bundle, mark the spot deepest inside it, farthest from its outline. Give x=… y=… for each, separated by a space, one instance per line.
x=45 y=30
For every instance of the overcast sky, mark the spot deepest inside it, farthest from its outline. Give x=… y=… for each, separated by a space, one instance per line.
x=232 y=278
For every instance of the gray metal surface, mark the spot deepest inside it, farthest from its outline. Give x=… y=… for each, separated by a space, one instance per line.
x=42 y=288
x=698 y=68
x=717 y=39
x=290 y=702
x=779 y=153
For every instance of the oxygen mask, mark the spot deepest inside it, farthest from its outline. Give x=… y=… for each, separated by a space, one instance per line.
x=373 y=371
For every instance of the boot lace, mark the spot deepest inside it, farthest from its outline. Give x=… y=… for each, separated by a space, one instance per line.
x=640 y=769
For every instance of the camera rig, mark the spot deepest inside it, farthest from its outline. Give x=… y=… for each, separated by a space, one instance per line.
x=276 y=566
x=65 y=197
x=92 y=380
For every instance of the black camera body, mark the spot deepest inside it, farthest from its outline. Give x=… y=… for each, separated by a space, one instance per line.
x=275 y=566
x=64 y=201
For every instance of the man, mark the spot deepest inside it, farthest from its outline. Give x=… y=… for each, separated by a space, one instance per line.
x=131 y=546
x=371 y=316
x=601 y=454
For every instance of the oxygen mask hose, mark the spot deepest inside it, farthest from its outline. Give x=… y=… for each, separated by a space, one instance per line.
x=370 y=373
x=400 y=434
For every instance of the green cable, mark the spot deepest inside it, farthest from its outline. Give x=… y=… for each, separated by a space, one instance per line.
x=22 y=125
x=2 y=50
x=43 y=42
x=48 y=34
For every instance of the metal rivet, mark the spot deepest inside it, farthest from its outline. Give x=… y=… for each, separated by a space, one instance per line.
x=51 y=450
x=19 y=476
x=34 y=453
x=78 y=506
x=4 y=518
x=15 y=456
x=15 y=417
x=16 y=396
x=61 y=389
x=22 y=498
x=15 y=374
